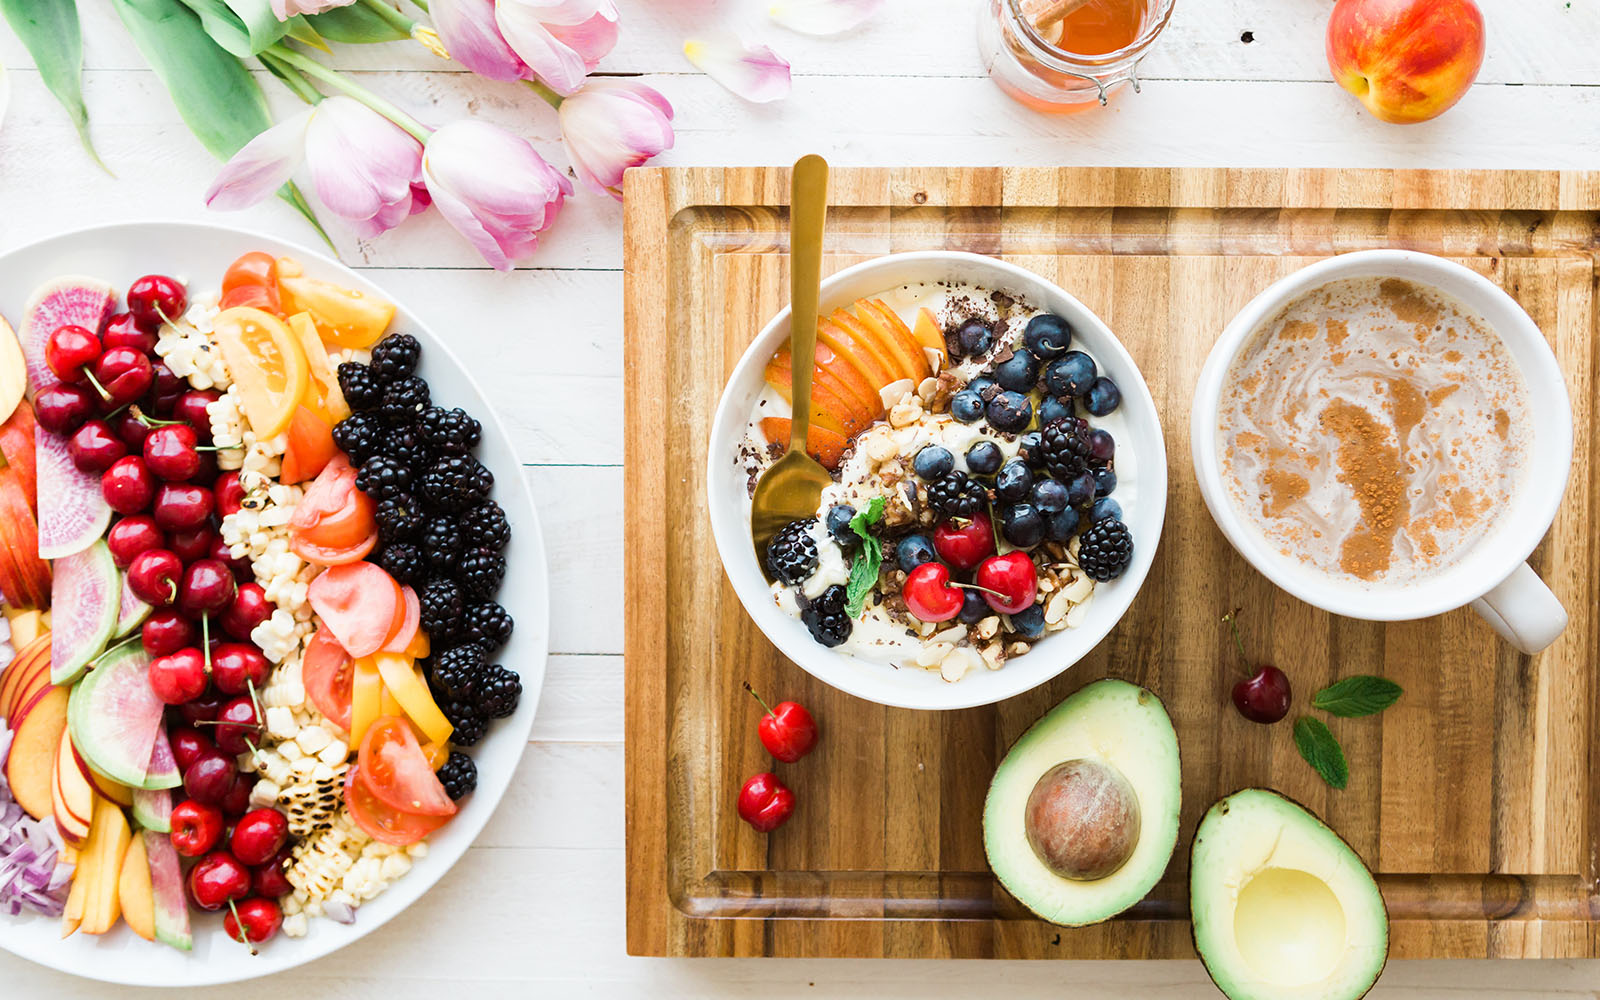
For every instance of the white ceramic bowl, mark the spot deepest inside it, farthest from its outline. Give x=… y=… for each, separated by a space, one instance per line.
x=1141 y=472
x=200 y=253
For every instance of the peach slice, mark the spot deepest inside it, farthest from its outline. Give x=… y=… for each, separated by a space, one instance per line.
x=897 y=328
x=930 y=334
x=861 y=353
x=135 y=891
x=31 y=765
x=860 y=388
x=908 y=362
x=821 y=444
x=827 y=399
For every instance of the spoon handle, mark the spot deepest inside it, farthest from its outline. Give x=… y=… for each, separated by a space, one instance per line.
x=808 y=208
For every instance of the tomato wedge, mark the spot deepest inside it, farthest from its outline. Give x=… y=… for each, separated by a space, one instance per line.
x=334 y=523
x=411 y=609
x=252 y=280
x=381 y=821
x=253 y=296
x=397 y=771
x=326 y=672
x=323 y=556
x=356 y=601
x=311 y=447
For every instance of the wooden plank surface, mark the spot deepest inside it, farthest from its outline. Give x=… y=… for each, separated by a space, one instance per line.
x=1472 y=799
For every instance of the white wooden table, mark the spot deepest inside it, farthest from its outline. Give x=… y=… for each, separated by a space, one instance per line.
x=536 y=908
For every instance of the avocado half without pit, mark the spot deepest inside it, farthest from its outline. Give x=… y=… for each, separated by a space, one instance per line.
x=1283 y=909
x=1082 y=814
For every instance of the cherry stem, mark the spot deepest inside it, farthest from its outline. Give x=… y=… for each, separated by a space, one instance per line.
x=205 y=641
x=986 y=590
x=1232 y=619
x=255 y=702
x=244 y=935
x=96 y=383
x=758 y=698
x=150 y=421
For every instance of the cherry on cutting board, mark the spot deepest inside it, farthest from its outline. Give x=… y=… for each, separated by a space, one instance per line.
x=787 y=730
x=765 y=802
x=1264 y=696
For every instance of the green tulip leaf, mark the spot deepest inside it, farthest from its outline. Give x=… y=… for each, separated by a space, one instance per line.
x=356 y=24
x=49 y=31
x=243 y=27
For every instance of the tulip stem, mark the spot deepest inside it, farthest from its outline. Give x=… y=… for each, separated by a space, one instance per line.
x=551 y=97
x=292 y=78
x=421 y=5
x=396 y=19
x=348 y=86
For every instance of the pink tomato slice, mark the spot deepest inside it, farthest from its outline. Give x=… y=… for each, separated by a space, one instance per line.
x=321 y=555
x=327 y=671
x=356 y=601
x=397 y=771
x=400 y=639
x=382 y=821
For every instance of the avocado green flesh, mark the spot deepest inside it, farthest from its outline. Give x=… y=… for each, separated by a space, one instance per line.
x=1283 y=909
x=1121 y=725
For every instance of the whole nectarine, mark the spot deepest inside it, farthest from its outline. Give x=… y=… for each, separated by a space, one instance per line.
x=1407 y=60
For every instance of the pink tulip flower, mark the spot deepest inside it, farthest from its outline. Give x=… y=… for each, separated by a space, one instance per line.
x=493 y=188
x=285 y=9
x=611 y=125
x=364 y=168
x=559 y=40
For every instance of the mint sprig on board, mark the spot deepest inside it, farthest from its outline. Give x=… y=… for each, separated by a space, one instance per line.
x=868 y=561
x=1322 y=751
x=1350 y=698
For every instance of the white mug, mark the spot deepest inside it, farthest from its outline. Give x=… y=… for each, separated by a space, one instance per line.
x=1493 y=575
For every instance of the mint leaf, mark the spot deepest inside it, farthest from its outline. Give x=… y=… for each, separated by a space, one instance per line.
x=1357 y=696
x=868 y=517
x=1322 y=751
x=868 y=561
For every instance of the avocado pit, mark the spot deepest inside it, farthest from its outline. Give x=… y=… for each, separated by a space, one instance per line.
x=1082 y=819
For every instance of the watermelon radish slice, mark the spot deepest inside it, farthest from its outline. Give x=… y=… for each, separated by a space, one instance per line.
x=152 y=808
x=86 y=601
x=166 y=879
x=115 y=717
x=69 y=300
x=162 y=771
x=131 y=613
x=73 y=512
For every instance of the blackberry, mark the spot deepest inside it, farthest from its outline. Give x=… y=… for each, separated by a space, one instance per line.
x=404 y=562
x=459 y=776
x=399 y=518
x=360 y=435
x=1105 y=549
x=456 y=483
x=957 y=496
x=449 y=430
x=485 y=526
x=406 y=446
x=826 y=619
x=467 y=723
x=383 y=478
x=488 y=624
x=395 y=357
x=458 y=672
x=361 y=386
x=480 y=572
x=499 y=690
x=442 y=609
x=403 y=400
x=1064 y=448
x=443 y=545
x=792 y=553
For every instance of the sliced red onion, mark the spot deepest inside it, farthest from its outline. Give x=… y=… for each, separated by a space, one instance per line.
x=29 y=849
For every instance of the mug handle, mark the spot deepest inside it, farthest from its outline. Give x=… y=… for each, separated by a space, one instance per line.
x=1523 y=610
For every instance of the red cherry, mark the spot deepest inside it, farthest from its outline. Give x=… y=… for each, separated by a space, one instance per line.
x=191 y=408
x=239 y=728
x=209 y=779
x=765 y=802
x=230 y=493
x=236 y=665
x=69 y=350
x=180 y=677
x=166 y=631
x=192 y=545
x=155 y=298
x=189 y=745
x=132 y=535
x=131 y=430
x=170 y=452
x=222 y=553
x=217 y=879
x=208 y=588
x=94 y=447
x=196 y=827
x=249 y=609
x=178 y=506
x=166 y=391
x=203 y=709
x=122 y=330
x=259 y=835
x=154 y=577
x=929 y=595
x=62 y=408
x=1010 y=582
x=261 y=919
x=964 y=542
x=128 y=485
x=237 y=799
x=125 y=374
x=269 y=879
x=787 y=730
x=1265 y=695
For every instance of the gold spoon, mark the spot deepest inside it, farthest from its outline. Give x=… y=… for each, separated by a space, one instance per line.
x=792 y=487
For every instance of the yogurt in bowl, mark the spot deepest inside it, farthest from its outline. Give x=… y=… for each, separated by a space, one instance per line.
x=999 y=483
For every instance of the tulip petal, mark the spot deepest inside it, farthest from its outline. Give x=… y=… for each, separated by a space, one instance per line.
x=285 y=9
x=560 y=41
x=823 y=17
x=468 y=30
x=493 y=187
x=262 y=166
x=611 y=125
x=362 y=164
x=753 y=72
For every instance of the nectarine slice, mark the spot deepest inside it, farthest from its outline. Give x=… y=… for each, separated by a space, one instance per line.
x=907 y=364
x=859 y=386
x=108 y=843
x=930 y=334
x=135 y=893
x=854 y=412
x=821 y=444
x=891 y=321
x=861 y=353
x=32 y=760
x=827 y=408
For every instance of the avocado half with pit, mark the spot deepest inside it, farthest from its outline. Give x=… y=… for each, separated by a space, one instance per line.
x=1082 y=814
x=1283 y=908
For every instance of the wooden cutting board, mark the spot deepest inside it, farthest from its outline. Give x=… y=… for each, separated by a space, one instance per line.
x=1475 y=799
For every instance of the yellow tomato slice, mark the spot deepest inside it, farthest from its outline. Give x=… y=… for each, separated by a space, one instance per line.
x=366 y=695
x=329 y=397
x=411 y=692
x=343 y=316
x=267 y=363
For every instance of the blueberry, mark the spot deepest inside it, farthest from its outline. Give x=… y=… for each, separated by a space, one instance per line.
x=1029 y=622
x=1029 y=446
x=974 y=608
x=1022 y=525
x=1047 y=336
x=1010 y=411
x=913 y=551
x=1102 y=445
x=970 y=338
x=1013 y=481
x=1081 y=490
x=966 y=406
x=1103 y=397
x=933 y=462
x=1019 y=372
x=981 y=383
x=984 y=458
x=1070 y=375
x=1061 y=527
x=1105 y=482
x=838 y=522
x=1049 y=496
x=1052 y=409
x=1104 y=508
